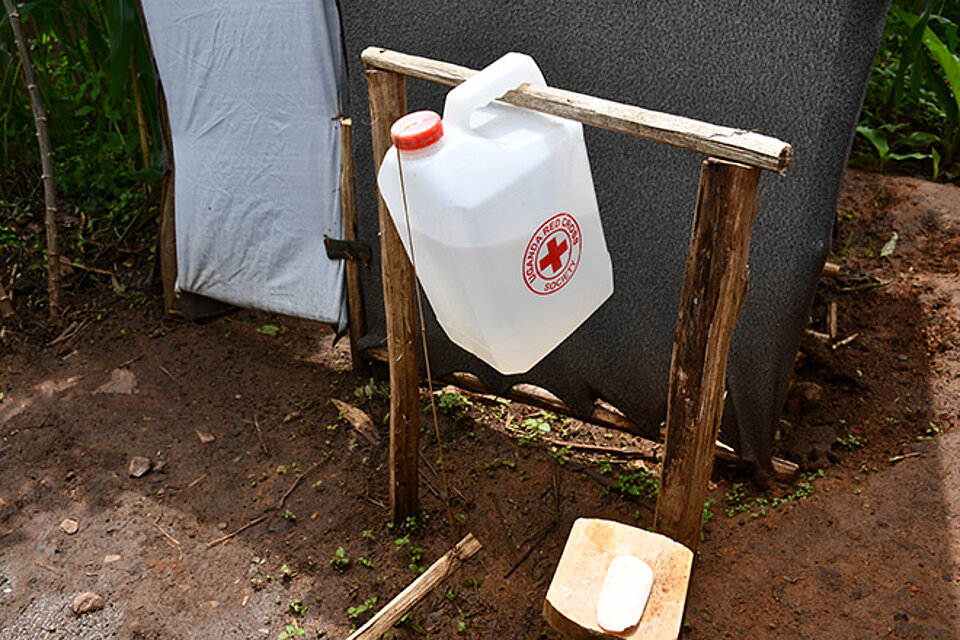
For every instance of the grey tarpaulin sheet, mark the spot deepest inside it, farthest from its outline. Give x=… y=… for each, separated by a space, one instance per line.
x=794 y=70
x=253 y=93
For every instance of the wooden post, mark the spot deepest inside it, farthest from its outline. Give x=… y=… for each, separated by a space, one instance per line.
x=714 y=288
x=388 y=102
x=167 y=234
x=348 y=203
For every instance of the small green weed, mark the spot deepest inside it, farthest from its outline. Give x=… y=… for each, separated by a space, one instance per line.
x=291 y=631
x=296 y=607
x=454 y=405
x=361 y=609
x=340 y=561
x=851 y=442
x=640 y=483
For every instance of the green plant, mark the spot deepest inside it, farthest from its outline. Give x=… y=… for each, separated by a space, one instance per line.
x=454 y=404
x=640 y=483
x=911 y=115
x=296 y=607
x=95 y=74
x=851 y=442
x=289 y=515
x=340 y=561
x=360 y=609
x=291 y=631
x=414 y=552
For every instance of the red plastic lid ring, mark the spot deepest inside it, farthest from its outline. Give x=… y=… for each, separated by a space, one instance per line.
x=416 y=130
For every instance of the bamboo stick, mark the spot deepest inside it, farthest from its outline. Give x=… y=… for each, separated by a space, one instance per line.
x=46 y=160
x=427 y=582
x=738 y=145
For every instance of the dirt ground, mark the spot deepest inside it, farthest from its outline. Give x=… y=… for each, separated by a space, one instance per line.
x=235 y=417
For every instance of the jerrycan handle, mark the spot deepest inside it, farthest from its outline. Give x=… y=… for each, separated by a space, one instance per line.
x=507 y=73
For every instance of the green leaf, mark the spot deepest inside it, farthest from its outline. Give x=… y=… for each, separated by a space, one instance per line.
x=877 y=139
x=948 y=61
x=916 y=155
x=269 y=330
x=918 y=139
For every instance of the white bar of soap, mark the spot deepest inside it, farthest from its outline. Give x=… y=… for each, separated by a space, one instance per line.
x=626 y=589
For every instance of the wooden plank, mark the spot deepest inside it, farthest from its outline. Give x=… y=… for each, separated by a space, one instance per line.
x=348 y=203
x=388 y=102
x=738 y=145
x=714 y=288
x=571 y=603
x=603 y=415
x=427 y=582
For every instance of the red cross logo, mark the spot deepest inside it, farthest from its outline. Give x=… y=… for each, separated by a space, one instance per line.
x=555 y=251
x=556 y=244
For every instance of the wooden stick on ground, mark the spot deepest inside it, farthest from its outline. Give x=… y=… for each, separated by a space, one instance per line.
x=263 y=445
x=46 y=159
x=438 y=571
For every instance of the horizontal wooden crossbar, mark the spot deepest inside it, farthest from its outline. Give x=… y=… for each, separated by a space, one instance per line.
x=739 y=145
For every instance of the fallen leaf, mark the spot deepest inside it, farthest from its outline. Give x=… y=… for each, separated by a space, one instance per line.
x=269 y=330
x=890 y=246
x=358 y=420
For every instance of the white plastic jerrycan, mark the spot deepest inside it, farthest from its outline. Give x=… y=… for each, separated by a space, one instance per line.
x=503 y=218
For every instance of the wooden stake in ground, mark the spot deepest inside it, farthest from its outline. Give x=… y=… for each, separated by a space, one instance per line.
x=46 y=159
x=714 y=288
x=348 y=202
x=438 y=571
x=388 y=102
x=6 y=305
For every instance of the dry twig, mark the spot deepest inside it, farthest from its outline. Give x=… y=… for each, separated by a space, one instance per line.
x=263 y=445
x=176 y=543
x=214 y=543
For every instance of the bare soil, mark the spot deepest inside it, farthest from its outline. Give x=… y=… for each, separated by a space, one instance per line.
x=235 y=417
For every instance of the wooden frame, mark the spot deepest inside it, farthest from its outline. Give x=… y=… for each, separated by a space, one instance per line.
x=714 y=286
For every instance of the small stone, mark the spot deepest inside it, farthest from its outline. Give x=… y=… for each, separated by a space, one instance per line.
x=205 y=437
x=139 y=466
x=69 y=526
x=86 y=602
x=222 y=526
x=812 y=394
x=110 y=559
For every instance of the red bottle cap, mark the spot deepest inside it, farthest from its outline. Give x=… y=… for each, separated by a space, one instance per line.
x=416 y=130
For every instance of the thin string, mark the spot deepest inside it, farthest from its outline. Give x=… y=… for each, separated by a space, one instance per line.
x=426 y=353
